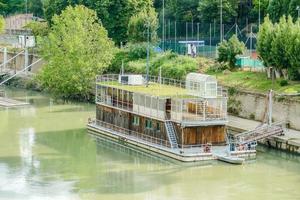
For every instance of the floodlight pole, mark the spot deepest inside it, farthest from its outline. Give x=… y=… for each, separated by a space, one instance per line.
x=221 y=21
x=148 y=52
x=163 y=37
x=259 y=17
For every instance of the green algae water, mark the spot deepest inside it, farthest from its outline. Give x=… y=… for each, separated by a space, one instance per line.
x=46 y=153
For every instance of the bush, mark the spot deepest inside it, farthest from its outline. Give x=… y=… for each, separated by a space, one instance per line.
x=232 y=91
x=228 y=50
x=138 y=51
x=283 y=83
x=172 y=65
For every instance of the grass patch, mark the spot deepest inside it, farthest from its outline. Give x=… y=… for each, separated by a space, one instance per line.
x=154 y=89
x=255 y=81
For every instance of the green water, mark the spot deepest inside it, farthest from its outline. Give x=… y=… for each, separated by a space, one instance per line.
x=46 y=153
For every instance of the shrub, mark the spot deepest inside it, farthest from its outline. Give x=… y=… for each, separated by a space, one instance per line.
x=138 y=51
x=228 y=50
x=232 y=91
x=283 y=83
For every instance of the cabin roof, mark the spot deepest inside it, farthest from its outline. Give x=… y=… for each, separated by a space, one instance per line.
x=154 y=89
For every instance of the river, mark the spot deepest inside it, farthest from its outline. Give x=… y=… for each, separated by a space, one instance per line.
x=46 y=153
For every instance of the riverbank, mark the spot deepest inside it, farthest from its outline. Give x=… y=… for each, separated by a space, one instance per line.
x=289 y=142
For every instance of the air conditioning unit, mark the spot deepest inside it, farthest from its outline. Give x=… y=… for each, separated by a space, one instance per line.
x=131 y=79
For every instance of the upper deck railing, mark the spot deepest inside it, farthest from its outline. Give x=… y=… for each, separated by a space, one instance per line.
x=110 y=79
x=185 y=109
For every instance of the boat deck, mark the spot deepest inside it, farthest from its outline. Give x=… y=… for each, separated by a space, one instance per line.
x=191 y=154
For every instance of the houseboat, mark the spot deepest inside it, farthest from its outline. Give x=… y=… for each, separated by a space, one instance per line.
x=184 y=120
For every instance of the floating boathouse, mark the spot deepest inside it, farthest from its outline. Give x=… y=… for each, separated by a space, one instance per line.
x=184 y=120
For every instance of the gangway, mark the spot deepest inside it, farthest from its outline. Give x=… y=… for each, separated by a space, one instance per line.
x=263 y=131
x=259 y=133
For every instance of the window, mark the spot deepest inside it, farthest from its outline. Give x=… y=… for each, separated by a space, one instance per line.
x=136 y=121
x=158 y=126
x=148 y=124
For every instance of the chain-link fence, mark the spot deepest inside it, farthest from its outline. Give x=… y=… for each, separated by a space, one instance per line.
x=173 y=34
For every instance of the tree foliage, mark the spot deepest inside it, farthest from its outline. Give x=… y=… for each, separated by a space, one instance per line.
x=39 y=29
x=138 y=26
x=278 y=45
x=8 y=7
x=228 y=50
x=2 y=24
x=264 y=41
x=209 y=10
x=76 y=50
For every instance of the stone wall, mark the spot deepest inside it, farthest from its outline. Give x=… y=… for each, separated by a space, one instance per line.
x=254 y=105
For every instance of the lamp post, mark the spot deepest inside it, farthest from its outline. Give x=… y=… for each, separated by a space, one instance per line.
x=148 y=53
x=221 y=21
x=259 y=20
x=163 y=31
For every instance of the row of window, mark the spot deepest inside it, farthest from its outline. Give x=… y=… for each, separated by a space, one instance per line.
x=148 y=123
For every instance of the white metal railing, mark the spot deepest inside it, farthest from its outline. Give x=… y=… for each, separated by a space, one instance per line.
x=203 y=148
x=112 y=78
x=20 y=72
x=259 y=133
x=130 y=133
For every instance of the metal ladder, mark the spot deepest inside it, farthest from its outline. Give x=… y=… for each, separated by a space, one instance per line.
x=171 y=132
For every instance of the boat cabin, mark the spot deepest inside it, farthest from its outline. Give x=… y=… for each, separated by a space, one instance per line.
x=174 y=113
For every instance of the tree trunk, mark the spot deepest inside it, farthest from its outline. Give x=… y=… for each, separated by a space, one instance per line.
x=277 y=73
x=285 y=74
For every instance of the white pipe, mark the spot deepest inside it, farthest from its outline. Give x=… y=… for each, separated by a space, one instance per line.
x=11 y=58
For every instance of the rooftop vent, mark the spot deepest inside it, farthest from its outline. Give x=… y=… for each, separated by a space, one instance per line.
x=131 y=79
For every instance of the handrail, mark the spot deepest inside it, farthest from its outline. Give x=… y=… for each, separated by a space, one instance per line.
x=132 y=133
x=20 y=71
x=11 y=58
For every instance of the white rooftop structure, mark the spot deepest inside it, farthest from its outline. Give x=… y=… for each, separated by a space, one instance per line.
x=202 y=85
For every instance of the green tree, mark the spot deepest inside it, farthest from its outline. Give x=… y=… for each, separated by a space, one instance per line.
x=277 y=8
x=293 y=8
x=281 y=42
x=115 y=15
x=209 y=10
x=76 y=50
x=2 y=24
x=294 y=51
x=39 y=29
x=138 y=26
x=228 y=50
x=264 y=42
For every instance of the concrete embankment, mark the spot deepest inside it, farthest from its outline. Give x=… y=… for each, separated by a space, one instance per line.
x=289 y=142
x=254 y=106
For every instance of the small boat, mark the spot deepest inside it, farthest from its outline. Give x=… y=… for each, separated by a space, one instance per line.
x=231 y=160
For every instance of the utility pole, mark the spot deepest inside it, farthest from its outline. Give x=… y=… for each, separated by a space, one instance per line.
x=259 y=17
x=221 y=21
x=148 y=53
x=163 y=37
